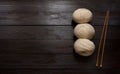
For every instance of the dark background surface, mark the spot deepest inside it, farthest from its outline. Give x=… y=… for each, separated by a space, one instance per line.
x=36 y=37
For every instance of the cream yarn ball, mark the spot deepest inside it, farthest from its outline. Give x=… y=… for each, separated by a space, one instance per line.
x=82 y=15
x=84 y=47
x=84 y=31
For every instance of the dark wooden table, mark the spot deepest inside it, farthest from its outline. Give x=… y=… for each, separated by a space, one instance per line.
x=36 y=37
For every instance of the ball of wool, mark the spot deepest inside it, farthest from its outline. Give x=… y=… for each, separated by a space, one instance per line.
x=84 y=47
x=84 y=31
x=82 y=15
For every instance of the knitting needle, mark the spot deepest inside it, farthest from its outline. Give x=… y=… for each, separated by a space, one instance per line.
x=97 y=61
x=104 y=40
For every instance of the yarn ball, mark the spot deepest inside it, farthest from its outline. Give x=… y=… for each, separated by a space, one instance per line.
x=84 y=31
x=82 y=15
x=84 y=47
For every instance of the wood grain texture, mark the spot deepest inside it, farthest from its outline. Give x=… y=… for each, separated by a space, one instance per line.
x=36 y=37
x=34 y=54
x=50 y=32
x=54 y=12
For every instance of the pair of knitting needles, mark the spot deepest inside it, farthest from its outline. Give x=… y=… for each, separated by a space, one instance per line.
x=99 y=60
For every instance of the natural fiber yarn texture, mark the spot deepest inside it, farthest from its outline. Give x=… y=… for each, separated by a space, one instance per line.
x=82 y=15
x=84 y=47
x=84 y=31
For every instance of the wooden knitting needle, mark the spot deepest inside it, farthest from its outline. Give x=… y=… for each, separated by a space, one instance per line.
x=104 y=40
x=103 y=30
x=98 y=55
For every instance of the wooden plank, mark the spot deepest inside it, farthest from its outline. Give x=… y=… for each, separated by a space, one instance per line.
x=48 y=47
x=51 y=12
x=36 y=46
x=56 y=62
x=35 y=32
x=50 y=32
x=62 y=71
x=50 y=54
